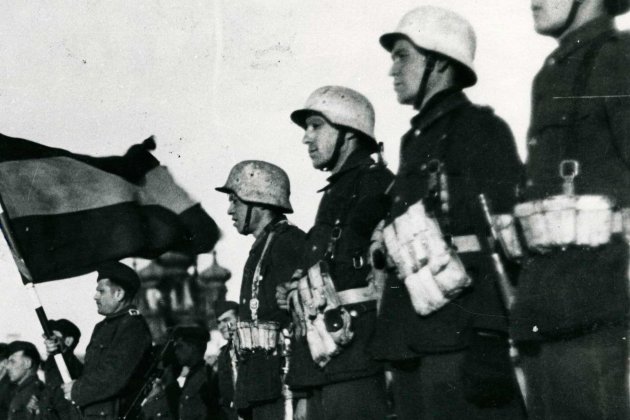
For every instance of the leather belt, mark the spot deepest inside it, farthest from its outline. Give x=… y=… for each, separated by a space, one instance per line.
x=358 y=295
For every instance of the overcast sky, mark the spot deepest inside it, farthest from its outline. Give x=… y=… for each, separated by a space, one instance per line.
x=215 y=82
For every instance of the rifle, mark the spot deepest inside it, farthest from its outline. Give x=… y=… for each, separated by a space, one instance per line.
x=151 y=374
x=505 y=287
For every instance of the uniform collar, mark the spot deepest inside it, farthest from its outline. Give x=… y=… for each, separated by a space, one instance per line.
x=359 y=157
x=129 y=309
x=29 y=380
x=439 y=105
x=271 y=226
x=582 y=36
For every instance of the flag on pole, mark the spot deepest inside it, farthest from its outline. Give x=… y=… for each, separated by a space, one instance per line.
x=69 y=213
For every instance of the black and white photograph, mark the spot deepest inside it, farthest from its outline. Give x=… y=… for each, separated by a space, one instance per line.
x=315 y=210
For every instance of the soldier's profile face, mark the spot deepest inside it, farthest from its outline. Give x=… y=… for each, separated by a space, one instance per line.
x=238 y=211
x=408 y=65
x=321 y=139
x=107 y=301
x=550 y=16
x=17 y=366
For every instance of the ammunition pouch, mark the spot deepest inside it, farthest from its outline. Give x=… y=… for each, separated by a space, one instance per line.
x=252 y=336
x=327 y=322
x=563 y=221
x=430 y=269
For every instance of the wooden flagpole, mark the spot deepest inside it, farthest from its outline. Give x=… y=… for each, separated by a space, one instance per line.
x=27 y=280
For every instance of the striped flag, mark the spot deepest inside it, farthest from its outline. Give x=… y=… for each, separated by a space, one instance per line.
x=68 y=212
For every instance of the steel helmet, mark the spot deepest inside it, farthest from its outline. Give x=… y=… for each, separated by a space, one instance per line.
x=440 y=30
x=259 y=182
x=341 y=106
x=617 y=7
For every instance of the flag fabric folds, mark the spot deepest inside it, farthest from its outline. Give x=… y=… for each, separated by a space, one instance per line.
x=68 y=212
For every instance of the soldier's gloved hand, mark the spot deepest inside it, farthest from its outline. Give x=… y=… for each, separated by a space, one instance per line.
x=282 y=293
x=33 y=405
x=67 y=390
x=53 y=344
x=488 y=374
x=157 y=390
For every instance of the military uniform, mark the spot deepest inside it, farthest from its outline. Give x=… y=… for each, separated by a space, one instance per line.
x=571 y=305
x=225 y=384
x=6 y=389
x=429 y=353
x=351 y=384
x=115 y=362
x=258 y=384
x=195 y=400
x=53 y=405
x=22 y=395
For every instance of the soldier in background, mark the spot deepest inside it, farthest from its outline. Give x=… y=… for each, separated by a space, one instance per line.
x=227 y=314
x=259 y=198
x=24 y=360
x=345 y=383
x=5 y=382
x=119 y=350
x=452 y=360
x=52 y=405
x=571 y=308
x=196 y=401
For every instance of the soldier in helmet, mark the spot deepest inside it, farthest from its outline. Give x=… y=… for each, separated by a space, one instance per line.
x=571 y=305
x=448 y=350
x=259 y=198
x=342 y=382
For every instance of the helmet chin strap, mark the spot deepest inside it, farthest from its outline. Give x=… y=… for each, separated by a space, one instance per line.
x=422 y=90
x=575 y=6
x=339 y=142
x=248 y=218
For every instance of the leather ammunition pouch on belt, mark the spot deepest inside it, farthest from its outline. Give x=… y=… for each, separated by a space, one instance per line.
x=430 y=268
x=321 y=307
x=256 y=336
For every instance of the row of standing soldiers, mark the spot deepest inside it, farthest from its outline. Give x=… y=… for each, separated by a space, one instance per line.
x=398 y=274
x=396 y=300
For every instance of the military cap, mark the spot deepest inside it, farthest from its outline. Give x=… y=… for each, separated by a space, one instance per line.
x=4 y=348
x=221 y=307
x=29 y=350
x=194 y=334
x=120 y=274
x=66 y=328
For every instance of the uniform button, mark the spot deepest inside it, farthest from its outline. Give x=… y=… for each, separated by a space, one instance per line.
x=423 y=167
x=417 y=132
x=354 y=313
x=533 y=141
x=397 y=199
x=564 y=118
x=529 y=183
x=551 y=61
x=314 y=248
x=244 y=300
